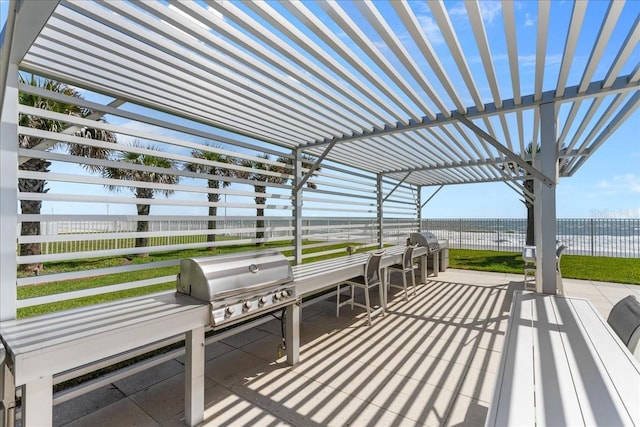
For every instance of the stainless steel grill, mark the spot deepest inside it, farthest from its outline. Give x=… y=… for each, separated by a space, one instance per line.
x=425 y=239
x=238 y=286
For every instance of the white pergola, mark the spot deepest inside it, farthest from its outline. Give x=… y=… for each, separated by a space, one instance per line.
x=361 y=84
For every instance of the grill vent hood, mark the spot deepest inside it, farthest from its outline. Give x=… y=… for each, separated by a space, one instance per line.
x=238 y=286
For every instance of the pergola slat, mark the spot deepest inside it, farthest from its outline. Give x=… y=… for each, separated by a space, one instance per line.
x=577 y=16
x=280 y=73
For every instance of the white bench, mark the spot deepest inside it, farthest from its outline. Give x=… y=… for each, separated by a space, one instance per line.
x=563 y=365
x=40 y=347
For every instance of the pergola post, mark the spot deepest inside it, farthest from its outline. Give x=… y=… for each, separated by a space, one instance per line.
x=545 y=203
x=379 y=202
x=297 y=207
x=9 y=195
x=419 y=207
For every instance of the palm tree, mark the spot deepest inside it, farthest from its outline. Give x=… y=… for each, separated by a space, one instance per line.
x=217 y=174
x=29 y=185
x=307 y=163
x=154 y=175
x=261 y=181
x=528 y=186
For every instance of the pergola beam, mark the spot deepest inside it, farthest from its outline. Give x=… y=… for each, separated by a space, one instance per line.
x=436 y=181
x=571 y=94
x=485 y=162
x=521 y=190
x=508 y=153
x=396 y=187
x=431 y=197
x=31 y=18
x=313 y=168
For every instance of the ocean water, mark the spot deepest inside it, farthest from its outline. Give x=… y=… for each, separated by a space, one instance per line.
x=589 y=236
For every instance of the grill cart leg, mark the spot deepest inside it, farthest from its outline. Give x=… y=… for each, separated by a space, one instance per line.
x=194 y=377
x=423 y=268
x=293 y=333
x=436 y=263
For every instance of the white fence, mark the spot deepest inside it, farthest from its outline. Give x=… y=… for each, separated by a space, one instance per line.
x=76 y=236
x=589 y=236
x=583 y=236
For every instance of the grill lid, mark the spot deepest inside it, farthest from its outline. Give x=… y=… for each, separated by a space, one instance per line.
x=425 y=239
x=232 y=275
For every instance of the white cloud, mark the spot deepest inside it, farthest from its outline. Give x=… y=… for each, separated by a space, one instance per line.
x=458 y=10
x=431 y=30
x=381 y=45
x=530 y=60
x=627 y=183
x=632 y=181
x=528 y=20
x=489 y=10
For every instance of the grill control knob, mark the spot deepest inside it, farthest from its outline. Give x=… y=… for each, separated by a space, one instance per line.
x=229 y=311
x=246 y=306
x=283 y=294
x=263 y=301
x=276 y=296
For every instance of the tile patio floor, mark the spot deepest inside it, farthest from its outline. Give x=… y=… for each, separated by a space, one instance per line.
x=430 y=361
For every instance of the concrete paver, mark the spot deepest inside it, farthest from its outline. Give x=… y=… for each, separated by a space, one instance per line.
x=431 y=360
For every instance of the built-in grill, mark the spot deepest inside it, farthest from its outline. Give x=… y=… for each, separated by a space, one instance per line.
x=439 y=249
x=425 y=239
x=238 y=286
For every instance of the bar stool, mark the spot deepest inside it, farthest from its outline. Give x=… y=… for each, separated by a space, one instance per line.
x=559 y=285
x=407 y=266
x=529 y=257
x=369 y=279
x=624 y=319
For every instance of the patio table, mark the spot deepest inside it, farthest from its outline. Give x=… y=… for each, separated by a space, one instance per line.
x=316 y=277
x=38 y=348
x=563 y=365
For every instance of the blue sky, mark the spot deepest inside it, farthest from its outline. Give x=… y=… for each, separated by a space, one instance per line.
x=608 y=185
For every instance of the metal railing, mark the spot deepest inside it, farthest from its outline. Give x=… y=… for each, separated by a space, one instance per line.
x=92 y=235
x=589 y=236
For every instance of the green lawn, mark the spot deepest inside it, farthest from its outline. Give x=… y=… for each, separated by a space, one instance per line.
x=620 y=270
x=603 y=269
x=112 y=279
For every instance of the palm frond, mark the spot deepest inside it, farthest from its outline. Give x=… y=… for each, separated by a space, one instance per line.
x=142 y=159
